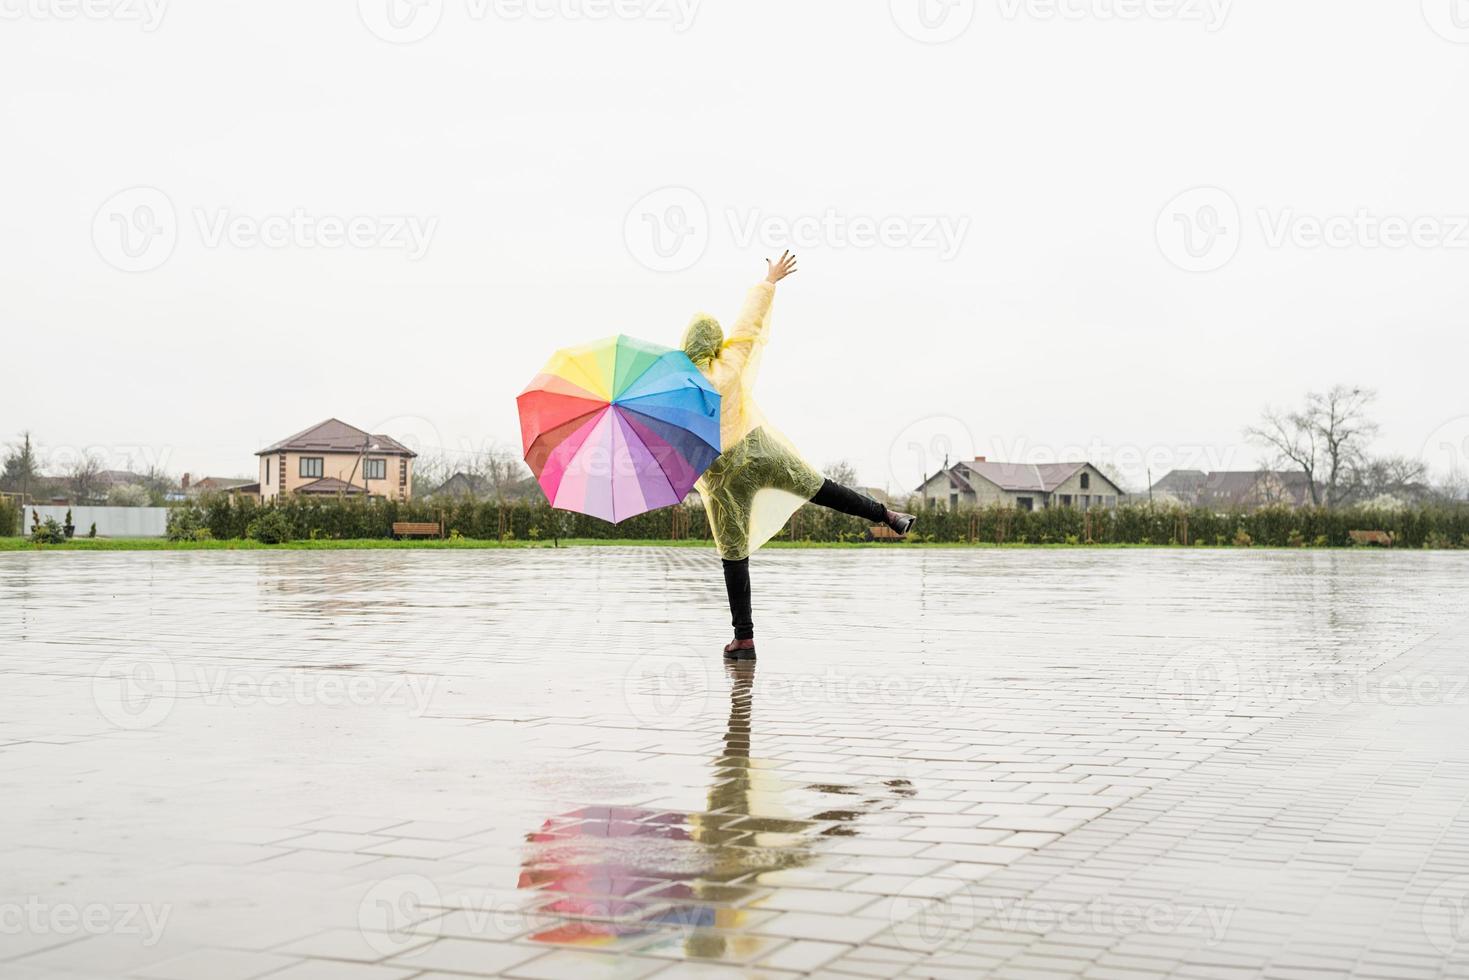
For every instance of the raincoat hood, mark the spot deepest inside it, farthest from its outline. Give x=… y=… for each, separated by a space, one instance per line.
x=703 y=339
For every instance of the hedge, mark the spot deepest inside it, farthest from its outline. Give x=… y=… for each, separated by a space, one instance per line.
x=1436 y=526
x=10 y=518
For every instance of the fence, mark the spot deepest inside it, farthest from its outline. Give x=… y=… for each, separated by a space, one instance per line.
x=112 y=522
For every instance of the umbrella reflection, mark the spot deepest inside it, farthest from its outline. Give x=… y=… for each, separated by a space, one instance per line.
x=689 y=884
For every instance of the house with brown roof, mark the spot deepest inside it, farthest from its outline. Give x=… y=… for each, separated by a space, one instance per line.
x=982 y=482
x=334 y=458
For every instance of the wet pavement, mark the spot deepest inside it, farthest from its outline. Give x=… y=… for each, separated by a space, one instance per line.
x=946 y=763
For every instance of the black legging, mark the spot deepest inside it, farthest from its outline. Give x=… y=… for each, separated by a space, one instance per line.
x=737 y=573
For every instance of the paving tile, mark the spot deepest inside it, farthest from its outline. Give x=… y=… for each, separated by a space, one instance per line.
x=336 y=970
x=217 y=964
x=350 y=944
x=1056 y=801
x=465 y=956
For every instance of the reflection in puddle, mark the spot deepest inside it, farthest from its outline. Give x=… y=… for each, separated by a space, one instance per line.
x=689 y=884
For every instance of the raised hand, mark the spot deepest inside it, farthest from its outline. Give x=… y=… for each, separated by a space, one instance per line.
x=776 y=271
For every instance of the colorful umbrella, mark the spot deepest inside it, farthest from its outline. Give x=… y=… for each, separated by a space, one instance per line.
x=618 y=427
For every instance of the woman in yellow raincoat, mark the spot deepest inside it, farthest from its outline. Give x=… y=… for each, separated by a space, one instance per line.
x=759 y=480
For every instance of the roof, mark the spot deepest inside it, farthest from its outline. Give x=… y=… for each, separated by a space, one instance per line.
x=209 y=483
x=1015 y=477
x=120 y=476
x=473 y=485
x=336 y=436
x=329 y=485
x=1037 y=477
x=463 y=483
x=1181 y=481
x=952 y=475
x=1235 y=487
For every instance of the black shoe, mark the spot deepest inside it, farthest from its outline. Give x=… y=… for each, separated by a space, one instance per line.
x=900 y=522
x=733 y=651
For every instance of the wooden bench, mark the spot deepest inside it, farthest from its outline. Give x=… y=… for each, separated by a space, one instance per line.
x=882 y=532
x=410 y=529
x=1380 y=538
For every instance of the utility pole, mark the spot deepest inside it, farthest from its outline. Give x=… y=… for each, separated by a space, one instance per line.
x=362 y=463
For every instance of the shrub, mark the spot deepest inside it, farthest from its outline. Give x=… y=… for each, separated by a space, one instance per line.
x=128 y=495
x=10 y=518
x=271 y=527
x=47 y=531
x=185 y=522
x=228 y=517
x=1242 y=538
x=92 y=531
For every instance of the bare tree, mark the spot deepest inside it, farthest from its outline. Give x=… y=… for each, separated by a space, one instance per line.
x=1325 y=439
x=841 y=471
x=84 y=477
x=1112 y=473
x=431 y=470
x=158 y=484
x=1400 y=477
x=503 y=473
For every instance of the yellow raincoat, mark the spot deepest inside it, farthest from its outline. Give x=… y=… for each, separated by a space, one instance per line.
x=759 y=480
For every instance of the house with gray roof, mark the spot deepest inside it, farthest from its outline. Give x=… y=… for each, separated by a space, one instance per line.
x=983 y=482
x=1233 y=489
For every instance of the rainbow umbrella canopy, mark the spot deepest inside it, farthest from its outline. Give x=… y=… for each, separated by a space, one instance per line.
x=618 y=427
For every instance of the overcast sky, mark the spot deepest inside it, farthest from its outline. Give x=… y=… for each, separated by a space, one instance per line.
x=1028 y=229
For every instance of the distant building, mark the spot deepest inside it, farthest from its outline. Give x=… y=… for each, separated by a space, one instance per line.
x=472 y=486
x=120 y=478
x=1233 y=489
x=1027 y=486
x=336 y=458
x=218 y=484
x=468 y=485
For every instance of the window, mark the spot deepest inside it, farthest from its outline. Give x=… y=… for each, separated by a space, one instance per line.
x=953 y=501
x=1025 y=503
x=377 y=469
x=312 y=467
x=267 y=471
x=1065 y=500
x=1086 y=481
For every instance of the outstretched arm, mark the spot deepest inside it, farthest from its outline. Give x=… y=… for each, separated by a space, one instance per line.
x=754 y=320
